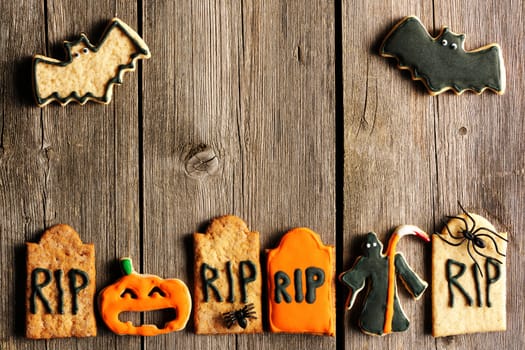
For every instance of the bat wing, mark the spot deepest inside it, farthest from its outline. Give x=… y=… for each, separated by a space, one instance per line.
x=91 y=76
x=117 y=54
x=441 y=66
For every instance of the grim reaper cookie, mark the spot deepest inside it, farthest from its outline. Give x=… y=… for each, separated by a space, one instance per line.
x=382 y=313
x=468 y=277
x=89 y=72
x=228 y=280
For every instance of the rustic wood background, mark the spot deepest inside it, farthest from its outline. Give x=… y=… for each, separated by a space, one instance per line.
x=298 y=122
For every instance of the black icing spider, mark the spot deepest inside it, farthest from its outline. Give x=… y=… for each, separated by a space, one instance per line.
x=473 y=235
x=240 y=316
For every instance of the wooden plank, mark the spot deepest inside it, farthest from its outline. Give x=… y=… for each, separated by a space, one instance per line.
x=389 y=158
x=287 y=117
x=88 y=157
x=190 y=105
x=22 y=168
x=478 y=158
x=250 y=83
x=479 y=153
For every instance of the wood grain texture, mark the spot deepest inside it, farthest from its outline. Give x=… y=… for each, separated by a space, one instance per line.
x=236 y=113
x=250 y=82
x=480 y=152
x=21 y=164
x=410 y=157
x=92 y=155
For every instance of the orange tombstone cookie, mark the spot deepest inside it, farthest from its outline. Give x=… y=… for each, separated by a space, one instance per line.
x=138 y=292
x=300 y=284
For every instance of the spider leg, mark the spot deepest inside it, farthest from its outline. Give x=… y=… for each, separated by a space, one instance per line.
x=472 y=257
x=448 y=228
x=229 y=319
x=493 y=232
x=486 y=256
x=460 y=218
x=493 y=241
x=452 y=244
x=467 y=214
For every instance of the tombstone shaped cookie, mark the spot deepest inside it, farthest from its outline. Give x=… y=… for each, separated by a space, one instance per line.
x=60 y=286
x=301 y=284
x=468 y=277
x=227 y=273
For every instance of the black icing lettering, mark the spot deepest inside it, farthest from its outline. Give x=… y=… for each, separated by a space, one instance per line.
x=475 y=272
x=207 y=282
x=229 y=272
x=298 y=285
x=281 y=281
x=245 y=279
x=314 y=279
x=36 y=289
x=453 y=281
x=60 y=291
x=491 y=279
x=74 y=288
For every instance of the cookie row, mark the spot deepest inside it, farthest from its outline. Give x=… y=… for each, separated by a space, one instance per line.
x=468 y=278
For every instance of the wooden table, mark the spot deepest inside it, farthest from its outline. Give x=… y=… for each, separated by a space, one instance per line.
x=309 y=127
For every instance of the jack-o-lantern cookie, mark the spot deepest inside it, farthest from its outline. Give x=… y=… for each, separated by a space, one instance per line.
x=141 y=293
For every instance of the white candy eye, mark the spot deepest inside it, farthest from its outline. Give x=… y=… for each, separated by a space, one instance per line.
x=368 y=245
x=76 y=55
x=85 y=50
x=444 y=42
x=374 y=244
x=454 y=46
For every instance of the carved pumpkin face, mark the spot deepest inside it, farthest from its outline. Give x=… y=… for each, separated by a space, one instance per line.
x=140 y=293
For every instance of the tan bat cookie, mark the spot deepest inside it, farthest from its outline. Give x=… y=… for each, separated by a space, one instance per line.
x=89 y=72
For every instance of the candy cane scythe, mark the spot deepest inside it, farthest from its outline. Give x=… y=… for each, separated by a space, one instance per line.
x=399 y=232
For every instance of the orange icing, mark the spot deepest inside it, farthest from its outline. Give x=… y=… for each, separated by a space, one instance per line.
x=389 y=312
x=301 y=248
x=133 y=292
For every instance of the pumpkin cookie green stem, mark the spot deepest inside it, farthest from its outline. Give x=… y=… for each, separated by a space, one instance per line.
x=126 y=265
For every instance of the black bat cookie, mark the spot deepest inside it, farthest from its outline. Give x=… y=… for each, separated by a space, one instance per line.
x=89 y=72
x=442 y=63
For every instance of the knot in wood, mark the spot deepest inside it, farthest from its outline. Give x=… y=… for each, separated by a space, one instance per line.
x=202 y=161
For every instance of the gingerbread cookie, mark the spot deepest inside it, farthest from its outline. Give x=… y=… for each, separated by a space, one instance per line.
x=89 y=72
x=60 y=286
x=382 y=313
x=301 y=289
x=442 y=63
x=468 y=277
x=228 y=279
x=141 y=293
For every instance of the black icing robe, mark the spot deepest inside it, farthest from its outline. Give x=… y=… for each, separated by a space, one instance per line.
x=375 y=269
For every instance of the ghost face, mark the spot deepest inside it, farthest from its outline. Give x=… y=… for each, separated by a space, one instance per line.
x=372 y=246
